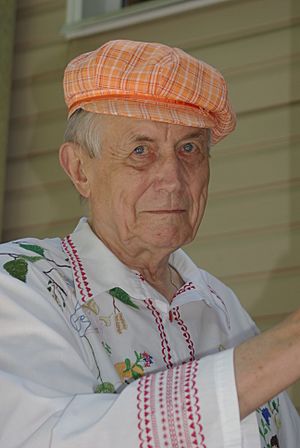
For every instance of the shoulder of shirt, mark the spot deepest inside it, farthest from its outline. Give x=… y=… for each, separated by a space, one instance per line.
x=213 y=282
x=231 y=301
x=25 y=259
x=32 y=247
x=199 y=276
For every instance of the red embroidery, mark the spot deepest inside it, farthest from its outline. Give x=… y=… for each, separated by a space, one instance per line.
x=196 y=412
x=165 y=348
x=153 y=412
x=169 y=410
x=186 y=287
x=140 y=276
x=185 y=332
x=143 y=406
x=79 y=273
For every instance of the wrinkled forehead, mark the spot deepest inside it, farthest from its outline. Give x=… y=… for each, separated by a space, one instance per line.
x=138 y=129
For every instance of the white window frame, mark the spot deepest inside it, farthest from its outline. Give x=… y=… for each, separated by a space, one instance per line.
x=76 y=26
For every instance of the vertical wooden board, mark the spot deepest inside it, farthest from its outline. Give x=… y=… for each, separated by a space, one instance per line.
x=37 y=30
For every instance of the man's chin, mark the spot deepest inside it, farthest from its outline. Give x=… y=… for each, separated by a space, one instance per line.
x=167 y=240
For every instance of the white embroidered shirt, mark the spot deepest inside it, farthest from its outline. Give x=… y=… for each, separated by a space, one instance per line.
x=92 y=355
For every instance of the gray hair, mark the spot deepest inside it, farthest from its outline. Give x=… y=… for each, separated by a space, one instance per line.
x=83 y=128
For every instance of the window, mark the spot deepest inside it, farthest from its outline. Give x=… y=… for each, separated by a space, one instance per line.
x=91 y=8
x=86 y=17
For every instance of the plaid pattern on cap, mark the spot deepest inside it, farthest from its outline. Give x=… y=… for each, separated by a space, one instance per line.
x=149 y=81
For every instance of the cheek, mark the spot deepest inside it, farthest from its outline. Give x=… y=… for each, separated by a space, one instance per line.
x=199 y=192
x=123 y=194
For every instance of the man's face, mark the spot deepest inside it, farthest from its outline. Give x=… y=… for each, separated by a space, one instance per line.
x=148 y=187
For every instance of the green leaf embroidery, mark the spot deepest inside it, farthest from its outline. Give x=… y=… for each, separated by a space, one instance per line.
x=127 y=364
x=107 y=348
x=135 y=375
x=121 y=295
x=34 y=248
x=138 y=356
x=17 y=268
x=105 y=388
x=32 y=259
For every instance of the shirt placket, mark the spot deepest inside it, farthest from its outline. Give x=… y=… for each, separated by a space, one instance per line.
x=176 y=340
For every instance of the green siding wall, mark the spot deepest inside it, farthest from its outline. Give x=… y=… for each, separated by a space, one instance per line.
x=250 y=236
x=7 y=26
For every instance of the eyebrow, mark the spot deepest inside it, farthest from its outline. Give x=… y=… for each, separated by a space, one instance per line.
x=141 y=137
x=196 y=134
x=146 y=138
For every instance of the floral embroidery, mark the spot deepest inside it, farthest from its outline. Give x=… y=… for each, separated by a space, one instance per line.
x=18 y=268
x=269 y=423
x=33 y=248
x=148 y=359
x=105 y=388
x=91 y=308
x=106 y=347
x=266 y=415
x=79 y=320
x=120 y=322
x=275 y=442
x=93 y=311
x=274 y=405
x=81 y=323
x=120 y=294
x=127 y=370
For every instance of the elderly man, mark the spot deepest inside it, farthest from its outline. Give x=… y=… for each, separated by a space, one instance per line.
x=112 y=336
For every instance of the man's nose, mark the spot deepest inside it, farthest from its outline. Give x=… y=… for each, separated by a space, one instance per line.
x=169 y=173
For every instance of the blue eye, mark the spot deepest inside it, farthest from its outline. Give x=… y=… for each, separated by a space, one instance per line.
x=188 y=147
x=139 y=150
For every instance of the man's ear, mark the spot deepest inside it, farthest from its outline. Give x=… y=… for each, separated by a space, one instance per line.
x=72 y=160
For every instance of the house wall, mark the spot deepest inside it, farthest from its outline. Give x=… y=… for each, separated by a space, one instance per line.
x=251 y=232
x=7 y=24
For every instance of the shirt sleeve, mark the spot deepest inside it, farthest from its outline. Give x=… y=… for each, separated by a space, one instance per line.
x=48 y=399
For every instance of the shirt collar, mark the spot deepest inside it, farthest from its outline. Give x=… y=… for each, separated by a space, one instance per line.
x=96 y=270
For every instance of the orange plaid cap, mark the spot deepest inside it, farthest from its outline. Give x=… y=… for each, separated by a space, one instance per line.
x=149 y=81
